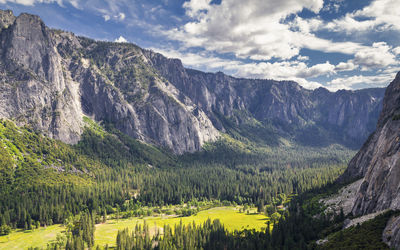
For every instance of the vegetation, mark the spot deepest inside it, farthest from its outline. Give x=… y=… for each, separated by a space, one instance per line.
x=365 y=236
x=298 y=228
x=106 y=232
x=45 y=182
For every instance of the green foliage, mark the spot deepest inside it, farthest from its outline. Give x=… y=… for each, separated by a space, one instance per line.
x=365 y=236
x=396 y=117
x=210 y=235
x=47 y=180
x=5 y=229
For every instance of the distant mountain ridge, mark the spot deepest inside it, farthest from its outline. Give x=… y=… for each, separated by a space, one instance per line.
x=50 y=79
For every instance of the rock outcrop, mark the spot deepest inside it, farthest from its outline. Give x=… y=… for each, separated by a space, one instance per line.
x=347 y=117
x=378 y=161
x=50 y=79
x=391 y=234
x=377 y=164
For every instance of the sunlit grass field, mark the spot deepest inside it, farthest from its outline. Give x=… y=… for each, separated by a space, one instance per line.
x=37 y=238
x=229 y=216
x=106 y=233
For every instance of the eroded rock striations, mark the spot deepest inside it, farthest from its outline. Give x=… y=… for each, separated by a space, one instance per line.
x=378 y=166
x=346 y=117
x=50 y=79
x=378 y=161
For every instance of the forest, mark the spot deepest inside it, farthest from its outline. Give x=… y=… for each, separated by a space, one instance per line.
x=44 y=181
x=108 y=168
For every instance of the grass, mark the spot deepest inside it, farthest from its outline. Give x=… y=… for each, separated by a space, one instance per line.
x=106 y=233
x=20 y=239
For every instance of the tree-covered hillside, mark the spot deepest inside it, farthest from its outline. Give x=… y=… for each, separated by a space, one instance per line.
x=47 y=180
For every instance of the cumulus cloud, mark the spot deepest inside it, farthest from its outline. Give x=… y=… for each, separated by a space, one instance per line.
x=346 y=66
x=379 y=15
x=378 y=55
x=353 y=82
x=302 y=58
x=254 y=30
x=121 y=39
x=396 y=51
x=257 y=31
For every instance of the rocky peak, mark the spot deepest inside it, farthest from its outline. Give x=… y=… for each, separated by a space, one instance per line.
x=6 y=18
x=58 y=77
x=50 y=79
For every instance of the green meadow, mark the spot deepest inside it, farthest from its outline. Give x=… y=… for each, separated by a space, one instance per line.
x=21 y=239
x=106 y=233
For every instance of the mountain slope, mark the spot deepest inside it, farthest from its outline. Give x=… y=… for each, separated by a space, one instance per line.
x=50 y=79
x=344 y=116
x=378 y=161
x=378 y=165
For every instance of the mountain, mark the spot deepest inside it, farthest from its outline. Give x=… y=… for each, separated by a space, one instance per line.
x=51 y=79
x=378 y=165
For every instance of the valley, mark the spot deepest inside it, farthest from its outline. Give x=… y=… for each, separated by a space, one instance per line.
x=106 y=144
x=106 y=233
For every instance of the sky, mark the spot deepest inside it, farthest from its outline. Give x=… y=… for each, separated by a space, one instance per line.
x=336 y=44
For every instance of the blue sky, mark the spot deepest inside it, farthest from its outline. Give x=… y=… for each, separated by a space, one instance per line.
x=332 y=43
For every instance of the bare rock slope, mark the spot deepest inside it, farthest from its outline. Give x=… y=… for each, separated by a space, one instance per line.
x=378 y=161
x=50 y=79
x=378 y=166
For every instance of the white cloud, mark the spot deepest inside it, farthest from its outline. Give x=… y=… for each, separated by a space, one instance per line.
x=396 y=51
x=193 y=8
x=253 y=30
x=257 y=31
x=346 y=66
x=333 y=6
x=33 y=2
x=121 y=39
x=377 y=56
x=302 y=58
x=351 y=82
x=379 y=15
x=121 y=16
x=74 y=3
x=108 y=9
x=106 y=17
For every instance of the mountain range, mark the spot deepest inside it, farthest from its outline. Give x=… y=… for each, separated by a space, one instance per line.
x=51 y=79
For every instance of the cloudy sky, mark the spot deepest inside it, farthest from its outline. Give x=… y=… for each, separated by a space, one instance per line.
x=337 y=44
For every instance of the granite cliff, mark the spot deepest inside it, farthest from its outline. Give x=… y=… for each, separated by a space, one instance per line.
x=50 y=79
x=377 y=165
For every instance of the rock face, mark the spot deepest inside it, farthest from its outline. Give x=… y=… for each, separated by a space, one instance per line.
x=378 y=161
x=50 y=79
x=345 y=116
x=378 y=166
x=391 y=234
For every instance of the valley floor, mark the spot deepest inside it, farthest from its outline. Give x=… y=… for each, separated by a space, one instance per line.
x=106 y=233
